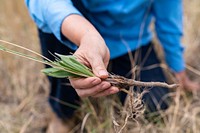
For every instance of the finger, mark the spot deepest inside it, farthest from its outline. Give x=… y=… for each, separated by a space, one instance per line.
x=110 y=91
x=99 y=67
x=106 y=60
x=192 y=86
x=85 y=82
x=94 y=90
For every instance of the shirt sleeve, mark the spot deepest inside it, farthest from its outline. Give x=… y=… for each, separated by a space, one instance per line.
x=169 y=29
x=49 y=15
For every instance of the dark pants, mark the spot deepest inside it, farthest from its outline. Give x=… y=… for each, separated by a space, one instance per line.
x=59 y=88
x=156 y=97
x=121 y=66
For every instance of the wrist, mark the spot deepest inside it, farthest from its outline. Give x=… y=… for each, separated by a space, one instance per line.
x=76 y=28
x=91 y=35
x=181 y=76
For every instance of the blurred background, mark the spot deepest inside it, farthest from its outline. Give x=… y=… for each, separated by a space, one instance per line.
x=24 y=89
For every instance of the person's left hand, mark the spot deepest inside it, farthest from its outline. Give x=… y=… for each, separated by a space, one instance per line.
x=186 y=83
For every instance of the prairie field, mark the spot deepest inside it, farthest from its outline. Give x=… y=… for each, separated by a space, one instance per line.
x=24 y=89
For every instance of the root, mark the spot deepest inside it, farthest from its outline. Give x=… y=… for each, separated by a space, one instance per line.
x=122 y=82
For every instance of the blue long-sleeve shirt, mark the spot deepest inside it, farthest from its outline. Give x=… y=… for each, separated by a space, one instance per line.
x=124 y=24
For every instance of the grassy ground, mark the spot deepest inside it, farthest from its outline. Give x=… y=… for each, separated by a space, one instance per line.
x=24 y=90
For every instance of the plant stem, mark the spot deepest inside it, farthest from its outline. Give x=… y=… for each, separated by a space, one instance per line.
x=151 y=84
x=123 y=82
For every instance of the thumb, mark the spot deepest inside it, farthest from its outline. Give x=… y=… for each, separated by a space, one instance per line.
x=99 y=68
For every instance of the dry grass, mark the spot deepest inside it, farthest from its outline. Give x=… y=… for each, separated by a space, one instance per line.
x=24 y=90
x=23 y=93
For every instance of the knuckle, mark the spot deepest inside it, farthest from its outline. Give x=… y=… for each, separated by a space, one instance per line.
x=105 y=86
x=82 y=95
x=97 y=89
x=76 y=84
x=107 y=93
x=72 y=82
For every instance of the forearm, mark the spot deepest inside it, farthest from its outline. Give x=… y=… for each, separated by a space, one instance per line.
x=169 y=29
x=76 y=27
x=93 y=52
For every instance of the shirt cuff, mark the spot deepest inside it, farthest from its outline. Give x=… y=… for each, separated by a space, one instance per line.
x=173 y=50
x=56 y=12
x=175 y=61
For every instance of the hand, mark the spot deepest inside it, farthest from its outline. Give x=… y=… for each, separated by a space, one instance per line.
x=186 y=83
x=94 y=53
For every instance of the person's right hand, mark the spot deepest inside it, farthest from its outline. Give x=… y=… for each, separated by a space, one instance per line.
x=92 y=52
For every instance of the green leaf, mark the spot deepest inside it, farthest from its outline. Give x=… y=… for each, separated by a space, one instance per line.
x=71 y=63
x=66 y=66
x=2 y=47
x=55 y=72
x=62 y=66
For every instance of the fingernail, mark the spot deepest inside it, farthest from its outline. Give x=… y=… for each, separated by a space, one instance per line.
x=103 y=74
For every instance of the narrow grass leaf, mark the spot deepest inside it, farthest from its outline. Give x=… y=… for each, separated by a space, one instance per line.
x=73 y=64
x=2 y=48
x=21 y=47
x=66 y=66
x=74 y=69
x=54 y=72
x=73 y=59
